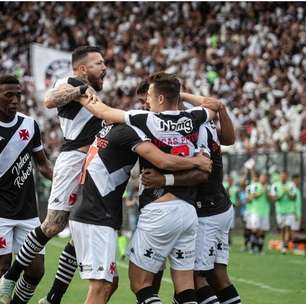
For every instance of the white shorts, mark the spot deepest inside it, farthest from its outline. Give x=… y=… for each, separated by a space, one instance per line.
x=247 y=218
x=95 y=248
x=166 y=229
x=212 y=240
x=14 y=232
x=260 y=222
x=234 y=217
x=286 y=220
x=297 y=224
x=66 y=180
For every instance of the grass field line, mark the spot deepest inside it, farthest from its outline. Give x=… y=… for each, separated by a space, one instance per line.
x=168 y=280
x=298 y=262
x=259 y=284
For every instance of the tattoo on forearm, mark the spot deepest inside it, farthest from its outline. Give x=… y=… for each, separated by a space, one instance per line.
x=62 y=97
x=55 y=222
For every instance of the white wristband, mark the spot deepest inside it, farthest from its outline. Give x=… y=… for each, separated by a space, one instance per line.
x=169 y=179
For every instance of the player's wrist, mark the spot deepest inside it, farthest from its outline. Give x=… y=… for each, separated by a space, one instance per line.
x=83 y=88
x=169 y=179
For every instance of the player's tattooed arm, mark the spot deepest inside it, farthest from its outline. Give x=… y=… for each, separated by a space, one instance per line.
x=55 y=222
x=61 y=95
x=151 y=178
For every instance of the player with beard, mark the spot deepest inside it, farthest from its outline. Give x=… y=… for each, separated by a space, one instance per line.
x=19 y=143
x=79 y=128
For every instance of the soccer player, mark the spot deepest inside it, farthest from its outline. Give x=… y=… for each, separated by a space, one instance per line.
x=19 y=143
x=285 y=209
x=167 y=223
x=260 y=218
x=79 y=129
x=296 y=197
x=215 y=214
x=95 y=219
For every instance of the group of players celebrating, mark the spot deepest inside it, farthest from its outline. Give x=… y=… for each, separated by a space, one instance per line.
x=185 y=212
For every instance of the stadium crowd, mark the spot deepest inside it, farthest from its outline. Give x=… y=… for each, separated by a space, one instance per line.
x=252 y=55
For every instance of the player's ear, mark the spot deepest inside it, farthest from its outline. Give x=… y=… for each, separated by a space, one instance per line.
x=82 y=69
x=161 y=99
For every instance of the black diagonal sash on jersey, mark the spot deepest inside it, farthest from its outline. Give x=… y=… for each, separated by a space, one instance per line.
x=10 y=152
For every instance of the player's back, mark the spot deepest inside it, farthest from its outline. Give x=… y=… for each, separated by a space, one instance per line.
x=212 y=197
x=107 y=171
x=175 y=132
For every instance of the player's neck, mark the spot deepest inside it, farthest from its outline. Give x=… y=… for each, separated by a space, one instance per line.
x=83 y=78
x=6 y=119
x=164 y=108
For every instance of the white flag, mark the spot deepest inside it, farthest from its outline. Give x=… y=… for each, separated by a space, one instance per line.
x=48 y=65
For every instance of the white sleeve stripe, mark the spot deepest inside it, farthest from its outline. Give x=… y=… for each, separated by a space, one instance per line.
x=207 y=115
x=139 y=143
x=127 y=118
x=39 y=148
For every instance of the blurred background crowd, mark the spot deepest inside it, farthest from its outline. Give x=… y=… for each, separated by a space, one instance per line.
x=250 y=55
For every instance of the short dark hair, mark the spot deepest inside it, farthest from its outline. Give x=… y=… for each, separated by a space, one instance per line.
x=295 y=176
x=167 y=85
x=82 y=51
x=9 y=79
x=143 y=87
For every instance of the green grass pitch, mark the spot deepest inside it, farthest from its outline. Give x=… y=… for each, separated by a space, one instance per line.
x=269 y=279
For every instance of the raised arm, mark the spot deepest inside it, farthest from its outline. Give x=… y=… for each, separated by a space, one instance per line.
x=226 y=133
x=210 y=103
x=99 y=109
x=62 y=95
x=170 y=162
x=151 y=178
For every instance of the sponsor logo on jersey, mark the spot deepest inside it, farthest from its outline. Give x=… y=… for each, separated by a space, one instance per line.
x=183 y=124
x=102 y=143
x=18 y=169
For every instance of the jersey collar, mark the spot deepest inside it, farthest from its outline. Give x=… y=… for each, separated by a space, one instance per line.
x=9 y=124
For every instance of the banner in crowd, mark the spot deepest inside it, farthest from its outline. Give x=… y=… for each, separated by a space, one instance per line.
x=48 y=65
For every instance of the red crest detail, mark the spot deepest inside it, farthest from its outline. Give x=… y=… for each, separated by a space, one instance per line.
x=24 y=134
x=2 y=242
x=72 y=198
x=112 y=268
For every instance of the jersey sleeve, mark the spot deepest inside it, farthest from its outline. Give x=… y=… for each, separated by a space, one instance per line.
x=136 y=118
x=199 y=114
x=129 y=137
x=202 y=143
x=37 y=144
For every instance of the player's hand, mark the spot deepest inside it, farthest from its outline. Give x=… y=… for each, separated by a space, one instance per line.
x=203 y=163
x=212 y=103
x=151 y=178
x=90 y=96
